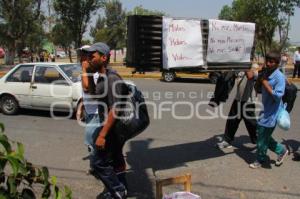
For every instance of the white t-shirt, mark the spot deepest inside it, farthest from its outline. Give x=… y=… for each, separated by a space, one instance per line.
x=296 y=56
x=90 y=104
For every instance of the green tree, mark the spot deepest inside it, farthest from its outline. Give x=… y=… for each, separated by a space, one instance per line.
x=35 y=38
x=32 y=42
x=139 y=10
x=226 y=13
x=62 y=36
x=100 y=24
x=268 y=15
x=75 y=15
x=287 y=10
x=86 y=42
x=17 y=20
x=111 y=28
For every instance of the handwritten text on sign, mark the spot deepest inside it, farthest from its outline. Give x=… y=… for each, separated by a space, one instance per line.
x=230 y=41
x=182 y=43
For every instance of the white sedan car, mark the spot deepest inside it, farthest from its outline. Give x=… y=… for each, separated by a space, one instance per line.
x=44 y=86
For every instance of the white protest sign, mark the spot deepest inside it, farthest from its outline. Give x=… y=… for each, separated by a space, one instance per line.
x=230 y=41
x=182 y=43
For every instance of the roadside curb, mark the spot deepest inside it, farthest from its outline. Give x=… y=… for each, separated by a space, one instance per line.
x=140 y=76
x=158 y=75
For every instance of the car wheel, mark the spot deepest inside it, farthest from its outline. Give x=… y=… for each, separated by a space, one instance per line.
x=168 y=76
x=9 y=105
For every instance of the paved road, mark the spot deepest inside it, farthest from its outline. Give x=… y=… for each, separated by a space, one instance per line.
x=168 y=147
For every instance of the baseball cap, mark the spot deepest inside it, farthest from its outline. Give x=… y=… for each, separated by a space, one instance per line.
x=254 y=66
x=99 y=47
x=84 y=47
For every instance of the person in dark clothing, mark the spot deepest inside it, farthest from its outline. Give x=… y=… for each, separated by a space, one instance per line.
x=107 y=160
x=224 y=85
x=296 y=62
x=241 y=108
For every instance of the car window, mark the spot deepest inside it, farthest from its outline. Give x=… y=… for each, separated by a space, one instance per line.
x=73 y=71
x=22 y=74
x=47 y=75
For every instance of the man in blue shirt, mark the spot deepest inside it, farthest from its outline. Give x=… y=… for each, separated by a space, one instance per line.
x=273 y=85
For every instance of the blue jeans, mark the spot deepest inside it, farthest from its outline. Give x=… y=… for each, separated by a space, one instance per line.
x=105 y=164
x=92 y=129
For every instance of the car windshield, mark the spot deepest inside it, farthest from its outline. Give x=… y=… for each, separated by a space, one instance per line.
x=73 y=71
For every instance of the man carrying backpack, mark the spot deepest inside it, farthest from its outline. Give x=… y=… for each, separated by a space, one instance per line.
x=107 y=160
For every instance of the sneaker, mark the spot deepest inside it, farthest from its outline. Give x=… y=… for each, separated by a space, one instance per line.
x=281 y=157
x=105 y=194
x=224 y=145
x=255 y=165
x=122 y=194
x=90 y=172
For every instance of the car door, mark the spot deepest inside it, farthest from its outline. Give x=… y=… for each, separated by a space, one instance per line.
x=50 y=90
x=18 y=84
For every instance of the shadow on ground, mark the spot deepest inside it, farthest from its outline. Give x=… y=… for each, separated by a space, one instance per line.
x=294 y=148
x=41 y=113
x=141 y=158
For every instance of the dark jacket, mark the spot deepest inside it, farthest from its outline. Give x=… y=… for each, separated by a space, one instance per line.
x=224 y=85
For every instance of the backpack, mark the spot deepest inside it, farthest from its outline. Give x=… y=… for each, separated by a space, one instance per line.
x=290 y=95
x=134 y=117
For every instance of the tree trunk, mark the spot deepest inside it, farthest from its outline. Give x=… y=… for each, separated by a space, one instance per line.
x=265 y=50
x=70 y=55
x=10 y=56
x=115 y=55
x=262 y=49
x=20 y=59
x=252 y=57
x=284 y=37
x=19 y=54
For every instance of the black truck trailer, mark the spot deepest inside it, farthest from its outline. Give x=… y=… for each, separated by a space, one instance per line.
x=145 y=46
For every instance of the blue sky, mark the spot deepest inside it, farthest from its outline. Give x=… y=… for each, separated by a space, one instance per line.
x=206 y=9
